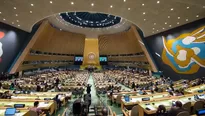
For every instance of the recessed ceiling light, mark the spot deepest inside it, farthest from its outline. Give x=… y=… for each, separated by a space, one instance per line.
x=197 y=15
x=170 y=25
x=158 y=2
x=16 y=14
x=12 y=22
x=14 y=7
x=92 y=4
x=17 y=20
x=153 y=32
x=163 y=28
x=51 y=2
x=155 y=23
x=165 y=23
x=157 y=30
x=128 y=8
x=18 y=25
x=60 y=29
x=168 y=16
x=111 y=6
x=142 y=4
x=187 y=19
x=153 y=28
x=187 y=7
x=178 y=17
x=144 y=19
x=172 y=9
x=31 y=12
x=72 y=3
x=203 y=6
x=32 y=5
x=4 y=19
x=144 y=13
x=0 y=12
x=177 y=22
x=124 y=0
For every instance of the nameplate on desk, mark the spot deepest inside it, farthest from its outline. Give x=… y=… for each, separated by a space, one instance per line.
x=146 y=99
x=19 y=105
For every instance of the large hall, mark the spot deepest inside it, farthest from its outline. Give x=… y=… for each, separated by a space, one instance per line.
x=102 y=58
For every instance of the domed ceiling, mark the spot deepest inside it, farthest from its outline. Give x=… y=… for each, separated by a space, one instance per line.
x=89 y=23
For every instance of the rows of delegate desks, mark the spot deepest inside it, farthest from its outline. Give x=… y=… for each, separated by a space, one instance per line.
x=29 y=99
x=150 y=107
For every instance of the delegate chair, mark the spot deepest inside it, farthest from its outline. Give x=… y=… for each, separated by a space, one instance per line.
x=187 y=106
x=197 y=106
x=184 y=113
x=134 y=111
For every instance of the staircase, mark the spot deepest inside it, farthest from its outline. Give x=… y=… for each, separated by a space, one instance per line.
x=91 y=111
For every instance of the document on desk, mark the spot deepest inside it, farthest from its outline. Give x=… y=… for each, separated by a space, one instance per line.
x=151 y=107
x=42 y=104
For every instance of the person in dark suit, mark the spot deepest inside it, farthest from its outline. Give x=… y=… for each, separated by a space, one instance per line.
x=176 y=109
x=88 y=88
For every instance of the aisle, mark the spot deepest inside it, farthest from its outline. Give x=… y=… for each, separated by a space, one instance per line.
x=95 y=99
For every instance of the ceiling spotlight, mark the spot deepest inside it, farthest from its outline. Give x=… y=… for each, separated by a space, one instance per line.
x=155 y=23
x=0 y=12
x=170 y=25
x=12 y=22
x=144 y=13
x=157 y=30
x=158 y=2
x=163 y=28
x=144 y=19
x=152 y=31
x=31 y=12
x=72 y=3
x=18 y=25
x=16 y=14
x=128 y=8
x=17 y=20
x=153 y=28
x=142 y=4
x=187 y=7
x=32 y=5
x=14 y=7
x=203 y=6
x=172 y=9
x=60 y=29
x=165 y=23
x=124 y=0
x=197 y=15
x=4 y=19
x=178 y=17
x=111 y=6
x=187 y=19
x=168 y=16
x=51 y=2
x=177 y=22
x=92 y=4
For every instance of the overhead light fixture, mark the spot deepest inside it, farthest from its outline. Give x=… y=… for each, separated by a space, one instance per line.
x=178 y=17
x=124 y=0
x=163 y=28
x=177 y=22
x=152 y=31
x=187 y=7
x=15 y=8
x=60 y=29
x=0 y=12
x=165 y=23
x=158 y=2
x=32 y=5
x=197 y=15
x=187 y=19
x=12 y=22
x=17 y=20
x=157 y=30
x=111 y=6
x=170 y=25
x=203 y=6
x=155 y=23
x=144 y=19
x=168 y=16
x=92 y=4
x=72 y=3
x=31 y=12
x=144 y=13
x=153 y=28
x=51 y=2
x=172 y=9
x=16 y=14
x=18 y=25
x=4 y=19
x=142 y=4
x=128 y=8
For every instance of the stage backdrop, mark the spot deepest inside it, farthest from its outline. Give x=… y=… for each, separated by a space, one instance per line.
x=12 y=41
x=180 y=52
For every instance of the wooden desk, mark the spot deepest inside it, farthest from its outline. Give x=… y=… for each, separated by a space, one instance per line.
x=195 y=89
x=23 y=112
